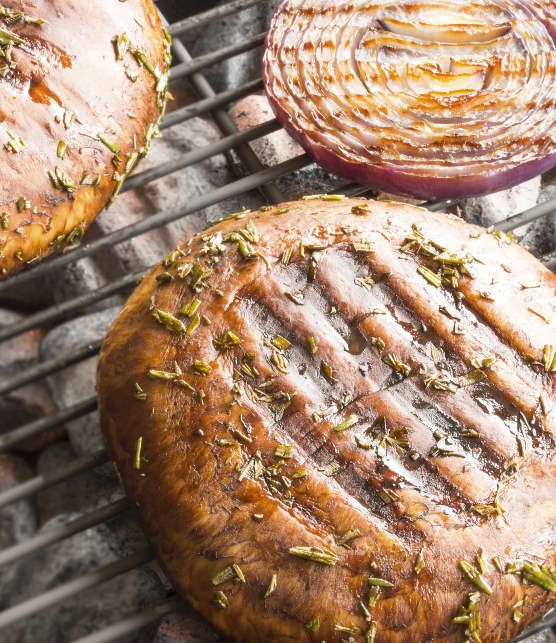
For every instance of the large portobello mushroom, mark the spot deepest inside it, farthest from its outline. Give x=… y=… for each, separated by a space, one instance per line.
x=336 y=419
x=82 y=88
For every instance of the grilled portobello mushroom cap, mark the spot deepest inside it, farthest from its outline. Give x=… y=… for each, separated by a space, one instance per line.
x=82 y=88
x=335 y=418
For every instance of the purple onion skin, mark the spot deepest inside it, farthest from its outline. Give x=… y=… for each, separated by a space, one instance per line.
x=402 y=183
x=410 y=185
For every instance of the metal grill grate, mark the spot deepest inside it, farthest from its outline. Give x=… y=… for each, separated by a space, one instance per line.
x=257 y=177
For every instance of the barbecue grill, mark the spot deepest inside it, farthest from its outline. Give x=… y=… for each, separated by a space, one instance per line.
x=255 y=177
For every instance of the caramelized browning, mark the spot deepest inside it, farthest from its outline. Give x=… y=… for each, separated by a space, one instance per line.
x=353 y=403
x=82 y=88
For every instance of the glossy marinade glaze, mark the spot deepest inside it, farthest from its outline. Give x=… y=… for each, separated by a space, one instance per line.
x=336 y=418
x=82 y=88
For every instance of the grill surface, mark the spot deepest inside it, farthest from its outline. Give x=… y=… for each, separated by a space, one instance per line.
x=256 y=177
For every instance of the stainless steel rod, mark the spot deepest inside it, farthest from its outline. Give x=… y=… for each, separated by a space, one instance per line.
x=200 y=154
x=86 y=581
x=210 y=104
x=48 y=367
x=227 y=126
x=194 y=65
x=56 y=534
x=46 y=480
x=205 y=18
x=8 y=440
x=133 y=622
x=59 y=311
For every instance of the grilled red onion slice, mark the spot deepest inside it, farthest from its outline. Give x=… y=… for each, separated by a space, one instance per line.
x=433 y=99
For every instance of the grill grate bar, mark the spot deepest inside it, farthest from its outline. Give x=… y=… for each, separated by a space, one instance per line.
x=227 y=125
x=544 y=624
x=200 y=154
x=528 y=216
x=48 y=367
x=36 y=427
x=59 y=311
x=86 y=581
x=230 y=190
x=201 y=62
x=209 y=104
x=56 y=534
x=45 y=480
x=133 y=622
x=205 y=18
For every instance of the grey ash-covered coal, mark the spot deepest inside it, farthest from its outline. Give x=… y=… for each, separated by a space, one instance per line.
x=119 y=537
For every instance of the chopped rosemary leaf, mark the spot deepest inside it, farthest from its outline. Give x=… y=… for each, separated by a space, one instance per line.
x=224 y=575
x=327 y=371
x=252 y=468
x=300 y=473
x=227 y=340
x=497 y=562
x=121 y=45
x=314 y=554
x=483 y=362
x=168 y=320
x=297 y=297
x=378 y=342
x=419 y=563
x=109 y=144
x=476 y=577
x=363 y=246
x=347 y=423
x=184 y=384
x=280 y=342
x=313 y=344
x=240 y=576
x=348 y=536
x=332 y=197
x=549 y=358
x=350 y=629
x=470 y=617
x=370 y=634
x=539 y=576
x=220 y=599
x=489 y=510
x=193 y=325
x=473 y=377
x=360 y=209
x=190 y=308
x=313 y=624
x=363 y=444
x=283 y=451
x=139 y=394
x=279 y=361
x=137 y=461
x=481 y=564
x=430 y=276
x=271 y=586
x=165 y=375
x=199 y=367
x=379 y=582
x=373 y=595
x=61 y=150
x=396 y=364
